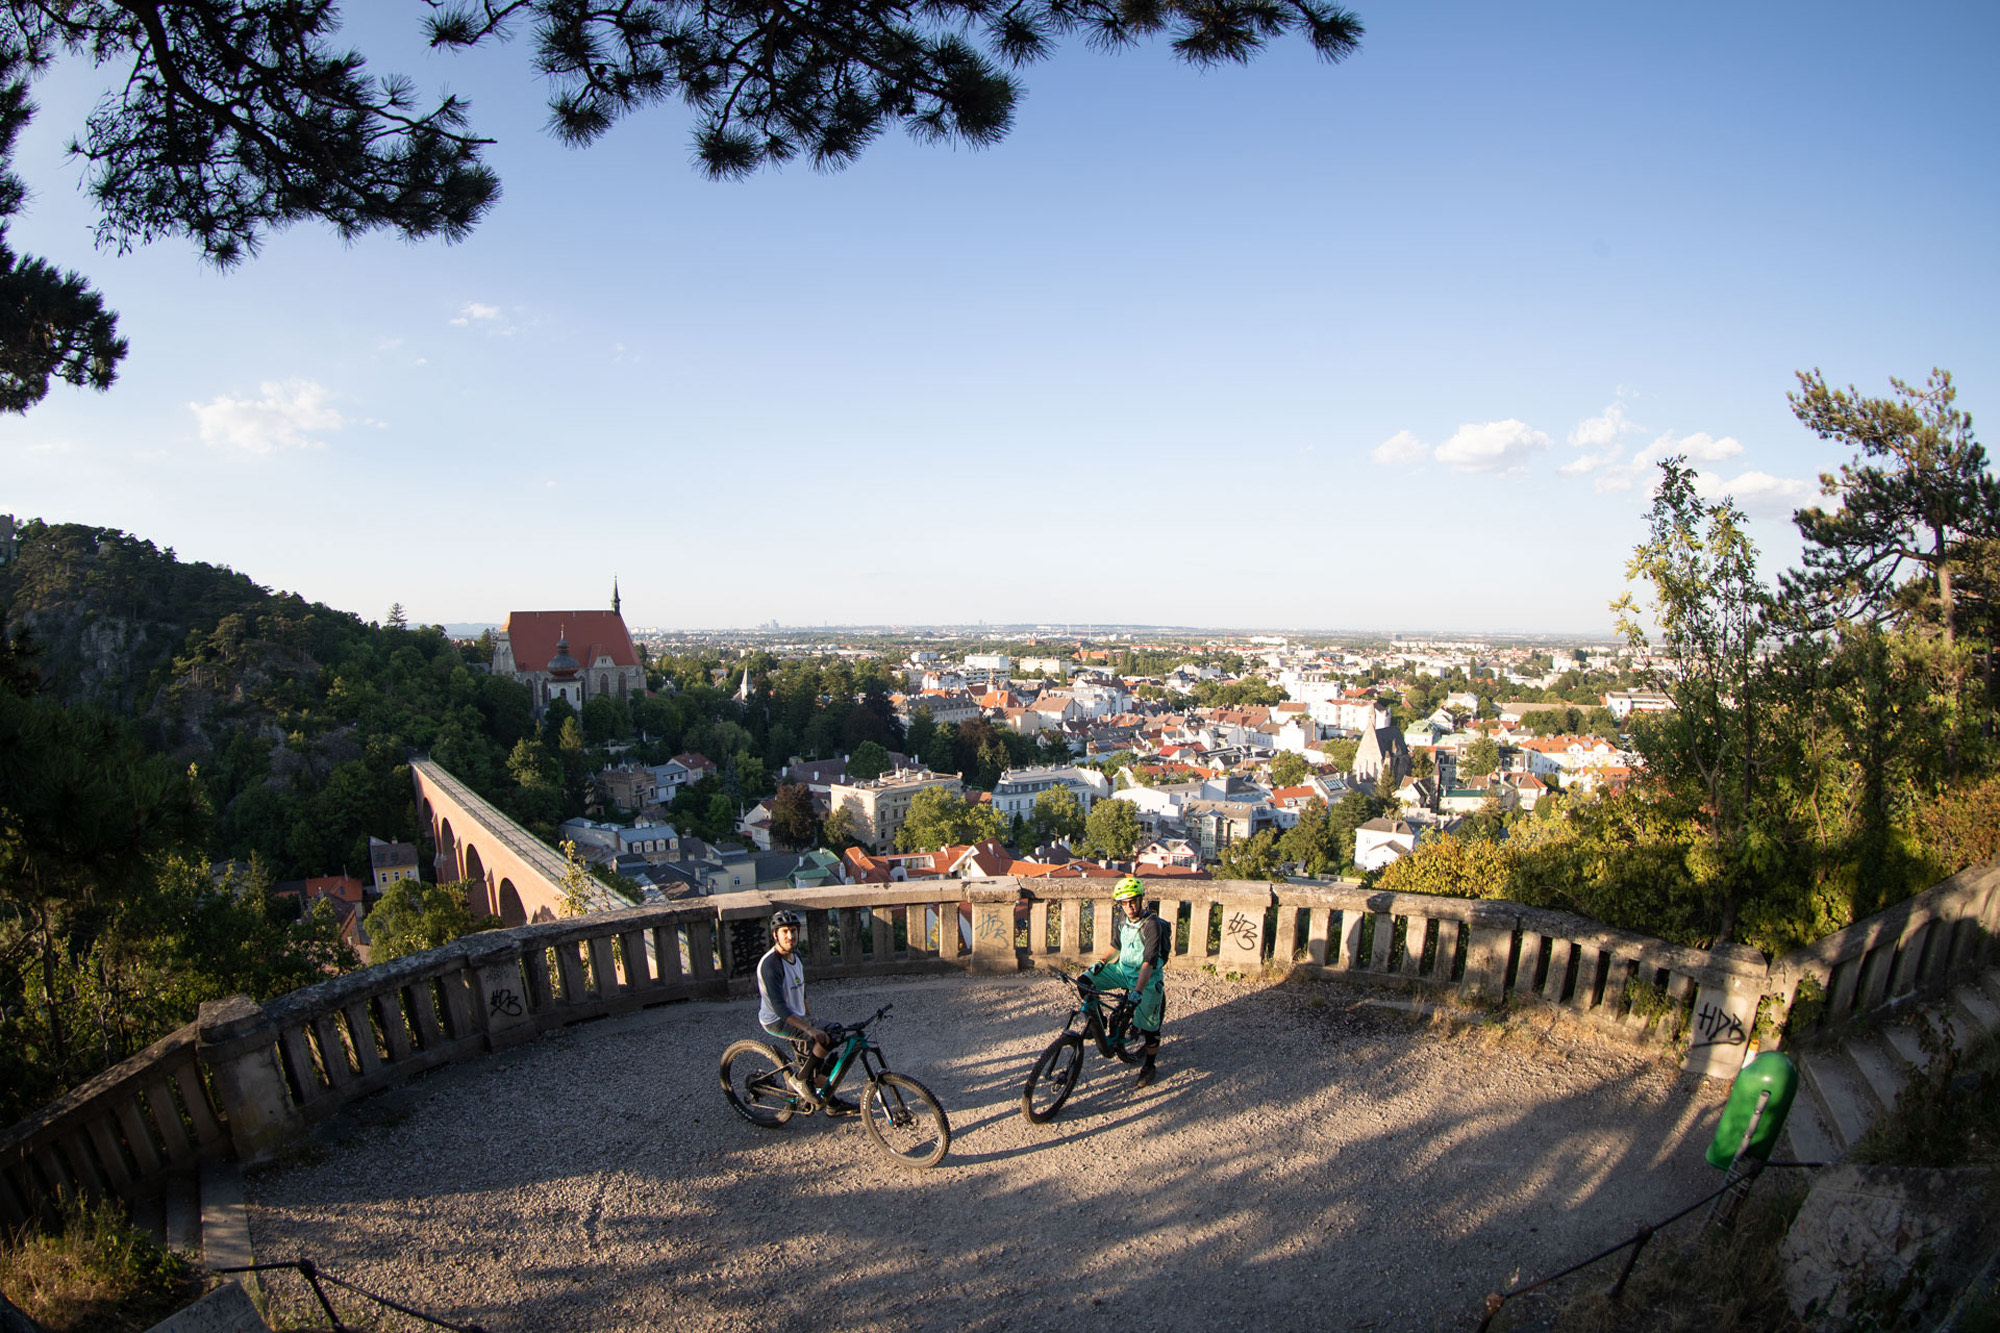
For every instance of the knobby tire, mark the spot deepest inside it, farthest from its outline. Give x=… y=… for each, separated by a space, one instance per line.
x=905 y=1121
x=1052 y=1079
x=753 y=1080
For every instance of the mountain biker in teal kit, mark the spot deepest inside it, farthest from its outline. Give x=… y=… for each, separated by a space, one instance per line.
x=1135 y=961
x=783 y=1012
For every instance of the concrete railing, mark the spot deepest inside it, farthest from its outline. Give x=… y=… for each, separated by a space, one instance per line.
x=245 y=1079
x=1918 y=946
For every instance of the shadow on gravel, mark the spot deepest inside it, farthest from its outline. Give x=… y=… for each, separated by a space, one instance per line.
x=1304 y=1162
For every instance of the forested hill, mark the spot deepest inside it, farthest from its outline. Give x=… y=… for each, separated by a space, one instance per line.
x=299 y=718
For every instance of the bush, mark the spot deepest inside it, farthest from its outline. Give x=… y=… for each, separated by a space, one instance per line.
x=98 y=1274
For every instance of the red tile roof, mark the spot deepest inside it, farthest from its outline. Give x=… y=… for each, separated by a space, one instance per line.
x=591 y=634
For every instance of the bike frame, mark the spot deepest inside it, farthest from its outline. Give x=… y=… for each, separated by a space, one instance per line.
x=854 y=1045
x=1096 y=1027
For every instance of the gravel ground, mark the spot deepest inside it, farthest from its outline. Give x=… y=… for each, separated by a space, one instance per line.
x=1307 y=1160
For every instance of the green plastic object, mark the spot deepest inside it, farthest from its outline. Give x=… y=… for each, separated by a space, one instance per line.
x=1771 y=1072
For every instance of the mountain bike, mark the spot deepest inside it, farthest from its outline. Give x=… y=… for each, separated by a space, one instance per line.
x=900 y=1114
x=1107 y=1021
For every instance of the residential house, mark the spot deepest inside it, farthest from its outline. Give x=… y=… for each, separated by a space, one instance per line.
x=391 y=861
x=1380 y=841
x=598 y=842
x=1624 y=703
x=1164 y=852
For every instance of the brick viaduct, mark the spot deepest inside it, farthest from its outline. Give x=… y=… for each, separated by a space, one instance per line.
x=515 y=875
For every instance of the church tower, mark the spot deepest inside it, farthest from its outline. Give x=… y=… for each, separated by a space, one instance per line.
x=614 y=596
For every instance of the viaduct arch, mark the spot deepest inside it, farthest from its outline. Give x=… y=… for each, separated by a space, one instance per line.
x=517 y=877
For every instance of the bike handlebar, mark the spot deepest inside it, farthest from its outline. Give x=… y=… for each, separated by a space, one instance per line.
x=834 y=1031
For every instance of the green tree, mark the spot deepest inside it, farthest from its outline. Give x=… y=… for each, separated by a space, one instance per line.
x=868 y=762
x=1709 y=609
x=1919 y=508
x=1112 y=831
x=1315 y=844
x=1479 y=758
x=794 y=823
x=398 y=619
x=1253 y=858
x=917 y=737
x=412 y=916
x=839 y=831
x=1058 y=816
x=937 y=819
x=1289 y=770
x=1452 y=867
x=605 y=719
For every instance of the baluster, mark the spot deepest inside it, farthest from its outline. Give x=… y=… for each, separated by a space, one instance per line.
x=604 y=966
x=1320 y=924
x=332 y=1052
x=365 y=1050
x=167 y=1119
x=1560 y=953
x=1350 y=948
x=140 y=1139
x=1414 y=932
x=109 y=1155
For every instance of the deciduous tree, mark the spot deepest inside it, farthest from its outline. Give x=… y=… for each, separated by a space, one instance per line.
x=1112 y=831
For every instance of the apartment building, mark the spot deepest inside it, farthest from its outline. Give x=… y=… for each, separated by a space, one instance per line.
x=880 y=807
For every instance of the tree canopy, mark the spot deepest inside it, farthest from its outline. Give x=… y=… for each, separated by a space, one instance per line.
x=231 y=118
x=1919 y=506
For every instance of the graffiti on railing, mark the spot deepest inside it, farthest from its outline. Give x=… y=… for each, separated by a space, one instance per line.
x=746 y=946
x=1246 y=932
x=504 y=1001
x=994 y=927
x=1716 y=1026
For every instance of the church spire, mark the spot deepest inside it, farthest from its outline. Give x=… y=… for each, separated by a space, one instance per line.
x=614 y=595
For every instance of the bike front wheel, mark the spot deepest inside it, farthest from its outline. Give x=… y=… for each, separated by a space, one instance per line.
x=905 y=1120
x=1123 y=1039
x=753 y=1079
x=1052 y=1079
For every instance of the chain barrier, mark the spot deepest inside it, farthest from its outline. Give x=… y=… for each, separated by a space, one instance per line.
x=1637 y=1241
x=314 y=1275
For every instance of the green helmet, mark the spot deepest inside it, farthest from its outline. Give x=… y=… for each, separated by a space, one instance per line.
x=1128 y=887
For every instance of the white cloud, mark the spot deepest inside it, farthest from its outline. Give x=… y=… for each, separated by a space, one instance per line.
x=1491 y=446
x=283 y=418
x=1758 y=494
x=1701 y=446
x=1598 y=431
x=472 y=310
x=1402 y=447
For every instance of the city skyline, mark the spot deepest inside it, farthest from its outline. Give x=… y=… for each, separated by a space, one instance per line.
x=1392 y=342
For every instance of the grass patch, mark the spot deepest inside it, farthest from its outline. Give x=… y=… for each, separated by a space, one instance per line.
x=1693 y=1282
x=98 y=1274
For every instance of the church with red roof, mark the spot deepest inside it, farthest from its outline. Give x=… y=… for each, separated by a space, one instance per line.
x=573 y=655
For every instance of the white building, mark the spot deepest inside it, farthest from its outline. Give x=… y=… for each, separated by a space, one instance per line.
x=1018 y=788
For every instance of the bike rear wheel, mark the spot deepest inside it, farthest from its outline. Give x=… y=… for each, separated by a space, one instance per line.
x=753 y=1079
x=905 y=1120
x=1052 y=1079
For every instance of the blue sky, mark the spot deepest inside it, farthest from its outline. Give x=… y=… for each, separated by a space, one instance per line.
x=1379 y=345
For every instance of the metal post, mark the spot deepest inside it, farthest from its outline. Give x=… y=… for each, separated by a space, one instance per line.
x=1638 y=1246
x=1723 y=1212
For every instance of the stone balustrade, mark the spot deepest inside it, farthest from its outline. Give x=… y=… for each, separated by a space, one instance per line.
x=245 y=1079
x=1913 y=947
